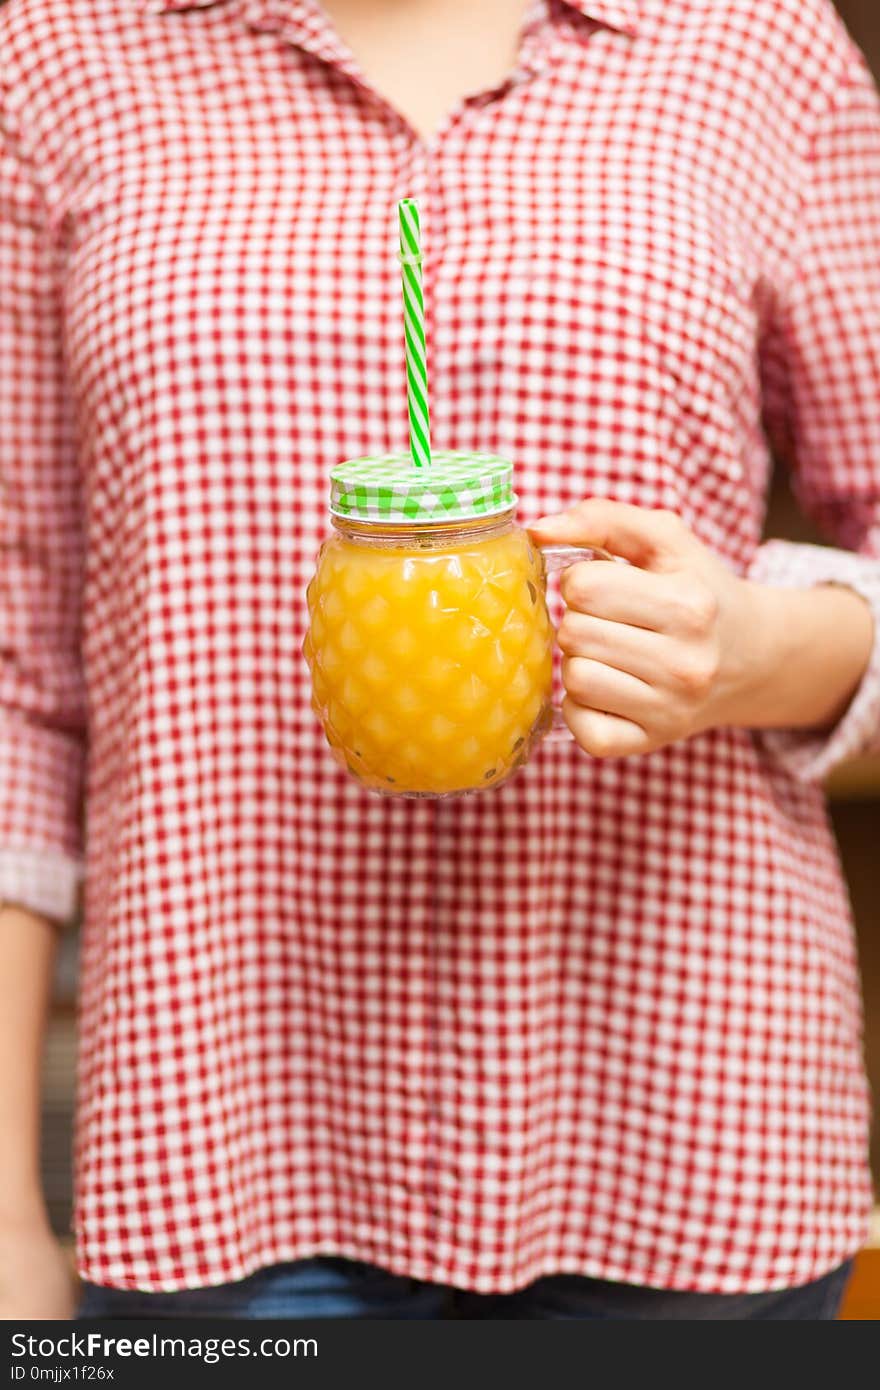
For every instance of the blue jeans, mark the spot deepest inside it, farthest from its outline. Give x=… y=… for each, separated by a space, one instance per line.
x=331 y=1287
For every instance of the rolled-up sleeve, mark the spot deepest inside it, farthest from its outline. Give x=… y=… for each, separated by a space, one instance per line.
x=42 y=702
x=822 y=390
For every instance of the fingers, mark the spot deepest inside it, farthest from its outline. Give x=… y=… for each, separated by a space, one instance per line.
x=674 y=668
x=632 y=649
x=604 y=735
x=599 y=687
x=629 y=649
x=650 y=539
x=644 y=644
x=677 y=604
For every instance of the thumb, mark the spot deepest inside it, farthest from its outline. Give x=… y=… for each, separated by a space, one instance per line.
x=651 y=539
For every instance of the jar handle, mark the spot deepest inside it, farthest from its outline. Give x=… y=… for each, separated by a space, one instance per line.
x=556 y=558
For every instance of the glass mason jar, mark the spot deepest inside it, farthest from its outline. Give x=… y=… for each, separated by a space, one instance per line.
x=430 y=645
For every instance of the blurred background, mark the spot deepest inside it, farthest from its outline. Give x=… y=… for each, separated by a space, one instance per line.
x=855 y=796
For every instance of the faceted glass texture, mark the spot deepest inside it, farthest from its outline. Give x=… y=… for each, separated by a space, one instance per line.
x=430 y=653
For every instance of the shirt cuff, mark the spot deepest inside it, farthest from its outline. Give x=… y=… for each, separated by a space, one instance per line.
x=806 y=754
x=45 y=881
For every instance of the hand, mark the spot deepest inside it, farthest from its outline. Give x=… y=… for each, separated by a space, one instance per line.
x=675 y=643
x=36 y=1280
x=652 y=650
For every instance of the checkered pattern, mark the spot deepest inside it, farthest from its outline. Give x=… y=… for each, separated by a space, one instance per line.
x=457 y=486
x=607 y=1019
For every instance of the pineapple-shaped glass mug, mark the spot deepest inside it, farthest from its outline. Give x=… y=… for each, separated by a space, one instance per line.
x=430 y=644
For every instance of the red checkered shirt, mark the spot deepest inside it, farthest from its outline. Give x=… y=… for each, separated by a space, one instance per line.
x=606 y=1019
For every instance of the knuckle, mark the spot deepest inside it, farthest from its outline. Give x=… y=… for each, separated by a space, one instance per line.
x=704 y=607
x=696 y=608
x=596 y=736
x=598 y=742
x=590 y=508
x=574 y=677
x=670 y=522
x=566 y=635
x=654 y=741
x=576 y=584
x=693 y=675
x=712 y=663
x=582 y=724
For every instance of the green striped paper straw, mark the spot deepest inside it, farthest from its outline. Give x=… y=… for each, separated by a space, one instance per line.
x=414 y=333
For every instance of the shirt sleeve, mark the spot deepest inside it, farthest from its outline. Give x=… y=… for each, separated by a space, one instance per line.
x=821 y=373
x=42 y=702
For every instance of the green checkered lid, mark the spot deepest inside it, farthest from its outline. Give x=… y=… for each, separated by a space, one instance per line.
x=456 y=486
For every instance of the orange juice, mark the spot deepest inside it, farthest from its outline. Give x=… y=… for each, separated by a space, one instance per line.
x=430 y=655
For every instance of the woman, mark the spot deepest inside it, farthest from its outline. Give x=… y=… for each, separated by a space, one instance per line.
x=587 y=1046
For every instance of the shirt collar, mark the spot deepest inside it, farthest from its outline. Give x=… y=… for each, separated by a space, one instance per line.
x=616 y=14
x=164 y=6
